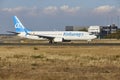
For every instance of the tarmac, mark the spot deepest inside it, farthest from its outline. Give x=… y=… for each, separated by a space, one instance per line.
x=12 y=40
x=60 y=44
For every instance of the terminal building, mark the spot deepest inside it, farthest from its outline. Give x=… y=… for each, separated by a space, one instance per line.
x=94 y=30
x=99 y=31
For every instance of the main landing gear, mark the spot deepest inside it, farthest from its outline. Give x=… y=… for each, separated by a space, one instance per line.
x=52 y=42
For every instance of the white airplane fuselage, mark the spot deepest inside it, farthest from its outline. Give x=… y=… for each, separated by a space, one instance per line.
x=59 y=36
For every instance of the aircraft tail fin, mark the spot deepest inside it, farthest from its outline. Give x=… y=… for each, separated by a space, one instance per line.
x=18 y=25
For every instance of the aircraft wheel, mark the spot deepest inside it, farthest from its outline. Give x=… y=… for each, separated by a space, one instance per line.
x=50 y=41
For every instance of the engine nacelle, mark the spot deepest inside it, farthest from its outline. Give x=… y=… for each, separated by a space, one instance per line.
x=66 y=40
x=58 y=39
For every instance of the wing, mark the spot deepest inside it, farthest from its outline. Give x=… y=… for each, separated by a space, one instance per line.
x=43 y=36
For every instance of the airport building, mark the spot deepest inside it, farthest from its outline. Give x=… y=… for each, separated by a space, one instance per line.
x=105 y=30
x=94 y=30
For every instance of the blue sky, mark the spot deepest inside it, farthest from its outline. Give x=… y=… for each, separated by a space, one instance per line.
x=56 y=14
x=44 y=3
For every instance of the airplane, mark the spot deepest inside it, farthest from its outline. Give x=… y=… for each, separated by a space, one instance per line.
x=52 y=36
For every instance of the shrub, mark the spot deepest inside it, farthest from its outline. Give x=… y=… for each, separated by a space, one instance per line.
x=37 y=56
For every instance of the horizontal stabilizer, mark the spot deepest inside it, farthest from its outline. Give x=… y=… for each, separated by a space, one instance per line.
x=13 y=32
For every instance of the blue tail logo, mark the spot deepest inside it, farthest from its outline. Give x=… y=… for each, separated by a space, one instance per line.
x=18 y=25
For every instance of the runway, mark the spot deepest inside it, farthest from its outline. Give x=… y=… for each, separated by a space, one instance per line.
x=60 y=44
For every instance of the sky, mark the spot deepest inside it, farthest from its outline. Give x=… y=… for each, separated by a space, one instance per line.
x=46 y=15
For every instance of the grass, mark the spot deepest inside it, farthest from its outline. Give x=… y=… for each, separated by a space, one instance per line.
x=60 y=63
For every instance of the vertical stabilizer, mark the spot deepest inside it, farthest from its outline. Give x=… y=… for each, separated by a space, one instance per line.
x=18 y=25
